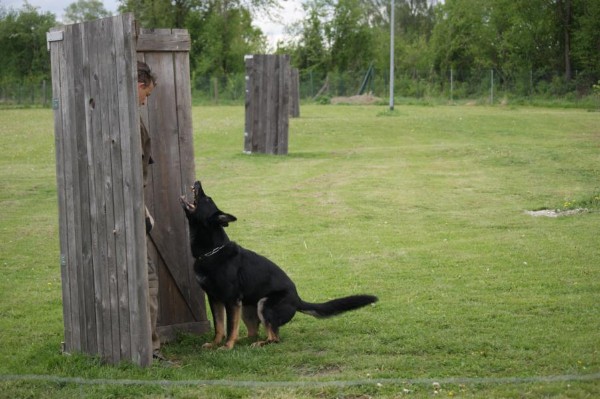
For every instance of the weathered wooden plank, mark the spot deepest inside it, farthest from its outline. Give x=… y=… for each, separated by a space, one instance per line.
x=143 y=336
x=110 y=124
x=248 y=103
x=132 y=187
x=92 y=130
x=71 y=193
x=154 y=40
x=261 y=97
x=271 y=88
x=284 y=97
x=57 y=70
x=255 y=100
x=81 y=64
x=106 y=250
x=295 y=93
x=118 y=170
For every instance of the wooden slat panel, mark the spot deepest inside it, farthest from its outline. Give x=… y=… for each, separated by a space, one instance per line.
x=182 y=75
x=100 y=191
x=169 y=124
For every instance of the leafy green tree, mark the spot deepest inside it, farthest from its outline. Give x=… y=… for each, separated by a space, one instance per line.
x=221 y=30
x=311 y=53
x=85 y=10
x=221 y=36
x=351 y=36
x=23 y=43
x=462 y=37
x=586 y=38
x=159 y=13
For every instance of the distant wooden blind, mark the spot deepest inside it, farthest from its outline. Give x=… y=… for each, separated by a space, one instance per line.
x=267 y=104
x=100 y=190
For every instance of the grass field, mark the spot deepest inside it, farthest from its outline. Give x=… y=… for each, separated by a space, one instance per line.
x=424 y=207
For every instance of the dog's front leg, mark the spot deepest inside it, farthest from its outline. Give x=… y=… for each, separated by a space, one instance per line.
x=234 y=314
x=251 y=320
x=218 y=313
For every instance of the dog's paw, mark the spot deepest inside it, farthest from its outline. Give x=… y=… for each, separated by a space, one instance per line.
x=209 y=345
x=260 y=344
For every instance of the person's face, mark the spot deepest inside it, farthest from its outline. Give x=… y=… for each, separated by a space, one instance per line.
x=144 y=92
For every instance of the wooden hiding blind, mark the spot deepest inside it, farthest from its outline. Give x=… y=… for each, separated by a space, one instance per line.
x=267 y=104
x=103 y=251
x=100 y=190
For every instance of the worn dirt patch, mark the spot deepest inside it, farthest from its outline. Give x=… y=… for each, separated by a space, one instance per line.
x=365 y=99
x=554 y=213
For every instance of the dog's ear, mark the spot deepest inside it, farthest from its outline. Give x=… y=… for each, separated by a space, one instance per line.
x=224 y=219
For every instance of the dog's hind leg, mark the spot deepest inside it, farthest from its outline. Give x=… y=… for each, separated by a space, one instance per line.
x=218 y=314
x=251 y=320
x=234 y=313
x=274 y=312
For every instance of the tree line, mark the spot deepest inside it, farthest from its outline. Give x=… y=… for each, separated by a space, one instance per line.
x=558 y=41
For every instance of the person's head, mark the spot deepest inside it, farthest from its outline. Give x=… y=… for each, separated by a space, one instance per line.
x=146 y=81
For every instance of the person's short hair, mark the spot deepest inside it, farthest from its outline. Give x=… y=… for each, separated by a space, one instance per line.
x=145 y=75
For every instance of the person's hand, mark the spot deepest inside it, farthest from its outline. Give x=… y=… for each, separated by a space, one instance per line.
x=149 y=221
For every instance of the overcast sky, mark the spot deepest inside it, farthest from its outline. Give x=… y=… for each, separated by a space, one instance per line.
x=274 y=30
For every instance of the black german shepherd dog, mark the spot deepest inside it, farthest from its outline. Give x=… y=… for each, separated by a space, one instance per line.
x=242 y=284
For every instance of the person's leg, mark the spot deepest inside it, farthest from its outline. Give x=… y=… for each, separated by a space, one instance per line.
x=153 y=303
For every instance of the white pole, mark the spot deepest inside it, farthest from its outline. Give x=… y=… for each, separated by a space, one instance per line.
x=451 y=85
x=392 y=57
x=492 y=88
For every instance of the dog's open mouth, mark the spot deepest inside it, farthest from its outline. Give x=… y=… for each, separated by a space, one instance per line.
x=188 y=205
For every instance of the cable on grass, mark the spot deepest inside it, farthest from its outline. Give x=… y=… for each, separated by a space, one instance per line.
x=305 y=384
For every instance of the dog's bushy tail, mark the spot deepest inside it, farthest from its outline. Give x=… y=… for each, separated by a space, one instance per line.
x=336 y=306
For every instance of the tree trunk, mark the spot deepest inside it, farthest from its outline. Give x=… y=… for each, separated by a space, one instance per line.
x=566 y=13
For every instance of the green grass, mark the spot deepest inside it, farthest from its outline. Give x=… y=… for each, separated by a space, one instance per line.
x=423 y=206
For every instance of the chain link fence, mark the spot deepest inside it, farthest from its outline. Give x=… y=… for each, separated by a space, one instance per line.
x=491 y=86
x=26 y=94
x=488 y=86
